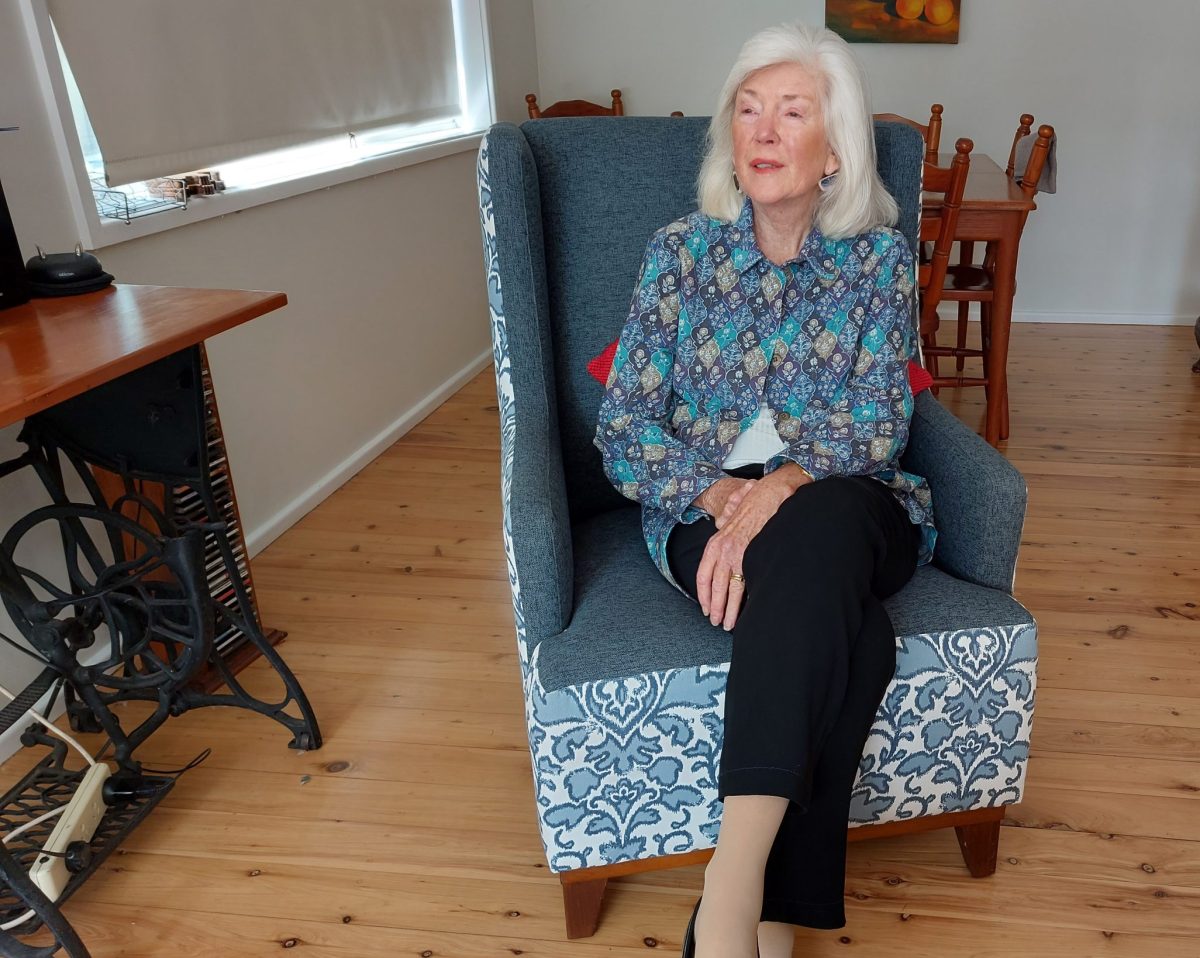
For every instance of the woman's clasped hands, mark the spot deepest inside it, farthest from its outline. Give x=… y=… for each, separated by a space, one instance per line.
x=740 y=507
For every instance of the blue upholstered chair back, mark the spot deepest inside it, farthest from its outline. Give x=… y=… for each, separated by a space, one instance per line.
x=606 y=185
x=576 y=201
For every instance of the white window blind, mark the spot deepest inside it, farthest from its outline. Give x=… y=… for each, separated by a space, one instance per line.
x=171 y=86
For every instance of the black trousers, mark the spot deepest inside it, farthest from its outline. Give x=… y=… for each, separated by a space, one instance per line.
x=813 y=653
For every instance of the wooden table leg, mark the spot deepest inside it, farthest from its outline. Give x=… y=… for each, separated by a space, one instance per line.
x=997 y=360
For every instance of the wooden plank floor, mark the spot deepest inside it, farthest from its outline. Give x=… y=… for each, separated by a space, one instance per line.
x=412 y=832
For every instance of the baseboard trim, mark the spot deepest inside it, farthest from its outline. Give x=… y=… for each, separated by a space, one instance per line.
x=948 y=312
x=262 y=535
x=1107 y=319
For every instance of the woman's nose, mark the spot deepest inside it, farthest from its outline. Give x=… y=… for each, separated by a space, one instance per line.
x=764 y=129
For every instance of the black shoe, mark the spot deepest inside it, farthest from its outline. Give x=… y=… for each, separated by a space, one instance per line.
x=689 y=936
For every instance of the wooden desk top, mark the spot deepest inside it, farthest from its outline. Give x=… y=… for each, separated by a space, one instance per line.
x=988 y=186
x=55 y=349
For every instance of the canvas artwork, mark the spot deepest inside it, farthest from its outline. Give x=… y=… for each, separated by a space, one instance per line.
x=894 y=21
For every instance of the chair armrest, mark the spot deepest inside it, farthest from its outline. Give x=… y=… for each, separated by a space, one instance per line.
x=536 y=517
x=978 y=496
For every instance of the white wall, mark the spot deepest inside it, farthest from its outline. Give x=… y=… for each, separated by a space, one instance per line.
x=386 y=309
x=514 y=56
x=1120 y=83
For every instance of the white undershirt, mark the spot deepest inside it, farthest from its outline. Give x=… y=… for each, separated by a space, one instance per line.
x=758 y=443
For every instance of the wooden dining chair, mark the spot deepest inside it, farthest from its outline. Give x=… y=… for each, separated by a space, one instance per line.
x=939 y=231
x=968 y=282
x=967 y=248
x=931 y=132
x=574 y=107
x=1024 y=128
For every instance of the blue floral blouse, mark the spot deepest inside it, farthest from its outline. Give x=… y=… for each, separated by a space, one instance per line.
x=715 y=327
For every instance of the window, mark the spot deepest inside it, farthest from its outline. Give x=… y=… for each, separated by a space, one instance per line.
x=278 y=96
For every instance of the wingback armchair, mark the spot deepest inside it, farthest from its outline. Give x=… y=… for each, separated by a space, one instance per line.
x=624 y=680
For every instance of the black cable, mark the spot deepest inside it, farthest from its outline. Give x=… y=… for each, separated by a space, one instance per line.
x=177 y=772
x=122 y=788
x=24 y=649
x=141 y=506
x=54 y=690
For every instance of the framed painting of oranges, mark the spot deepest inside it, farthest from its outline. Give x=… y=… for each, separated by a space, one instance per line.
x=894 y=21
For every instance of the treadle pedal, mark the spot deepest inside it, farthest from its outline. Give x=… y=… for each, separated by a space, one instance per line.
x=19 y=707
x=77 y=824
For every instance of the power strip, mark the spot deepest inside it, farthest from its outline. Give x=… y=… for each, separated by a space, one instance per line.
x=77 y=824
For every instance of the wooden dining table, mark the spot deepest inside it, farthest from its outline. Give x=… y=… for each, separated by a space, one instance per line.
x=993 y=211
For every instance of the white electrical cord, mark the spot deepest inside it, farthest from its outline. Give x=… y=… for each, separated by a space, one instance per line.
x=7 y=926
x=10 y=925
x=32 y=823
x=87 y=757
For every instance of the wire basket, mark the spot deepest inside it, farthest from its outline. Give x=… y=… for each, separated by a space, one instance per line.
x=142 y=199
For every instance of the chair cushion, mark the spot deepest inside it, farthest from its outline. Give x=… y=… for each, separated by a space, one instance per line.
x=598 y=368
x=918 y=378
x=968 y=279
x=621 y=601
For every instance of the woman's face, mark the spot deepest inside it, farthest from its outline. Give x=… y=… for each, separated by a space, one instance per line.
x=780 y=152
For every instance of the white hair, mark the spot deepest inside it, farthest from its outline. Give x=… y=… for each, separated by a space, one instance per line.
x=857 y=200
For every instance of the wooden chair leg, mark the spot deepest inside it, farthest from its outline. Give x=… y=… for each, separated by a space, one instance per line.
x=964 y=313
x=985 y=342
x=931 y=362
x=581 y=902
x=985 y=319
x=980 y=843
x=928 y=340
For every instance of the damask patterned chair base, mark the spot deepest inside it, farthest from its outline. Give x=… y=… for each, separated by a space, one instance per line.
x=624 y=681
x=626 y=737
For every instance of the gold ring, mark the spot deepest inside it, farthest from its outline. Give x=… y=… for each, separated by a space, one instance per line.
x=737 y=577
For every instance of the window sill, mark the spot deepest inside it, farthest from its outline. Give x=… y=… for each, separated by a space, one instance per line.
x=108 y=232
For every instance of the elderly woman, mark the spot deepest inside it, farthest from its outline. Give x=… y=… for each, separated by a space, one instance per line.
x=757 y=407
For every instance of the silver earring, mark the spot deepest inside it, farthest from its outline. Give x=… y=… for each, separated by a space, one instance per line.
x=826 y=182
